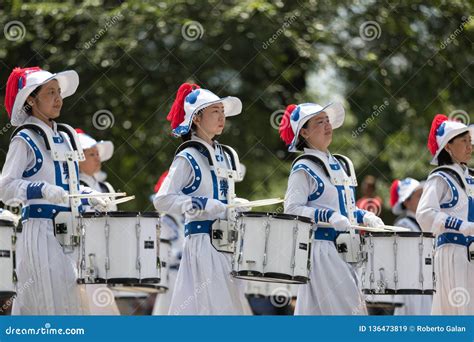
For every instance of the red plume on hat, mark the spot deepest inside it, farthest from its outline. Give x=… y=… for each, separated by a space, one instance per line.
x=15 y=82
x=394 y=192
x=160 y=181
x=437 y=121
x=286 y=132
x=80 y=131
x=176 y=114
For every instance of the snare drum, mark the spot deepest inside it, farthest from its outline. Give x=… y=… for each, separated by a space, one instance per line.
x=119 y=248
x=164 y=262
x=398 y=263
x=7 y=237
x=272 y=247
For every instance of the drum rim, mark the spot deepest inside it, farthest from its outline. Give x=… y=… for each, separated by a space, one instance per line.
x=7 y=223
x=121 y=281
x=401 y=234
x=399 y=292
x=285 y=278
x=92 y=214
x=288 y=217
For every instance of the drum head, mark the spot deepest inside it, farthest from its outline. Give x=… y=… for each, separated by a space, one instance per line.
x=91 y=214
x=275 y=215
x=270 y=277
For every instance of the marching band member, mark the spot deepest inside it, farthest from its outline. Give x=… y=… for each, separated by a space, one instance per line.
x=91 y=176
x=322 y=186
x=90 y=170
x=172 y=229
x=193 y=188
x=33 y=175
x=404 y=198
x=446 y=209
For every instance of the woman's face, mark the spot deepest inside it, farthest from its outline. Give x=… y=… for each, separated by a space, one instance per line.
x=92 y=164
x=318 y=132
x=460 y=148
x=211 y=121
x=48 y=102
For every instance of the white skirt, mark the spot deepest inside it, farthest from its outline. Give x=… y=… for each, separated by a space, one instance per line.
x=46 y=275
x=454 y=281
x=332 y=289
x=204 y=285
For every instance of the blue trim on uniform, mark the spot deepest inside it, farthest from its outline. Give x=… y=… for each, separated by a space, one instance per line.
x=452 y=223
x=38 y=156
x=328 y=234
x=359 y=215
x=43 y=211
x=335 y=167
x=454 y=238
x=323 y=215
x=470 y=209
x=197 y=174
x=198 y=227
x=199 y=203
x=34 y=190
x=470 y=180
x=319 y=182
x=58 y=140
x=454 y=191
x=58 y=176
x=341 y=196
x=215 y=186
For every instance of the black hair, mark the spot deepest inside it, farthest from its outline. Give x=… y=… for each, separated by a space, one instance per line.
x=26 y=106
x=187 y=136
x=302 y=144
x=443 y=157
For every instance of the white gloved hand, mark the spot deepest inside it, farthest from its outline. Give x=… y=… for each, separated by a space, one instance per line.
x=371 y=220
x=99 y=203
x=467 y=228
x=212 y=207
x=54 y=194
x=239 y=200
x=339 y=222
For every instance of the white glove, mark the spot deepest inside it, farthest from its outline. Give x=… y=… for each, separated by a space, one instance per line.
x=371 y=220
x=467 y=228
x=54 y=194
x=339 y=222
x=99 y=203
x=211 y=207
x=239 y=200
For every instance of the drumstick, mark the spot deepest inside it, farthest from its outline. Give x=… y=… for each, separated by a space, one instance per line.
x=122 y=200
x=258 y=203
x=104 y=194
x=368 y=229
